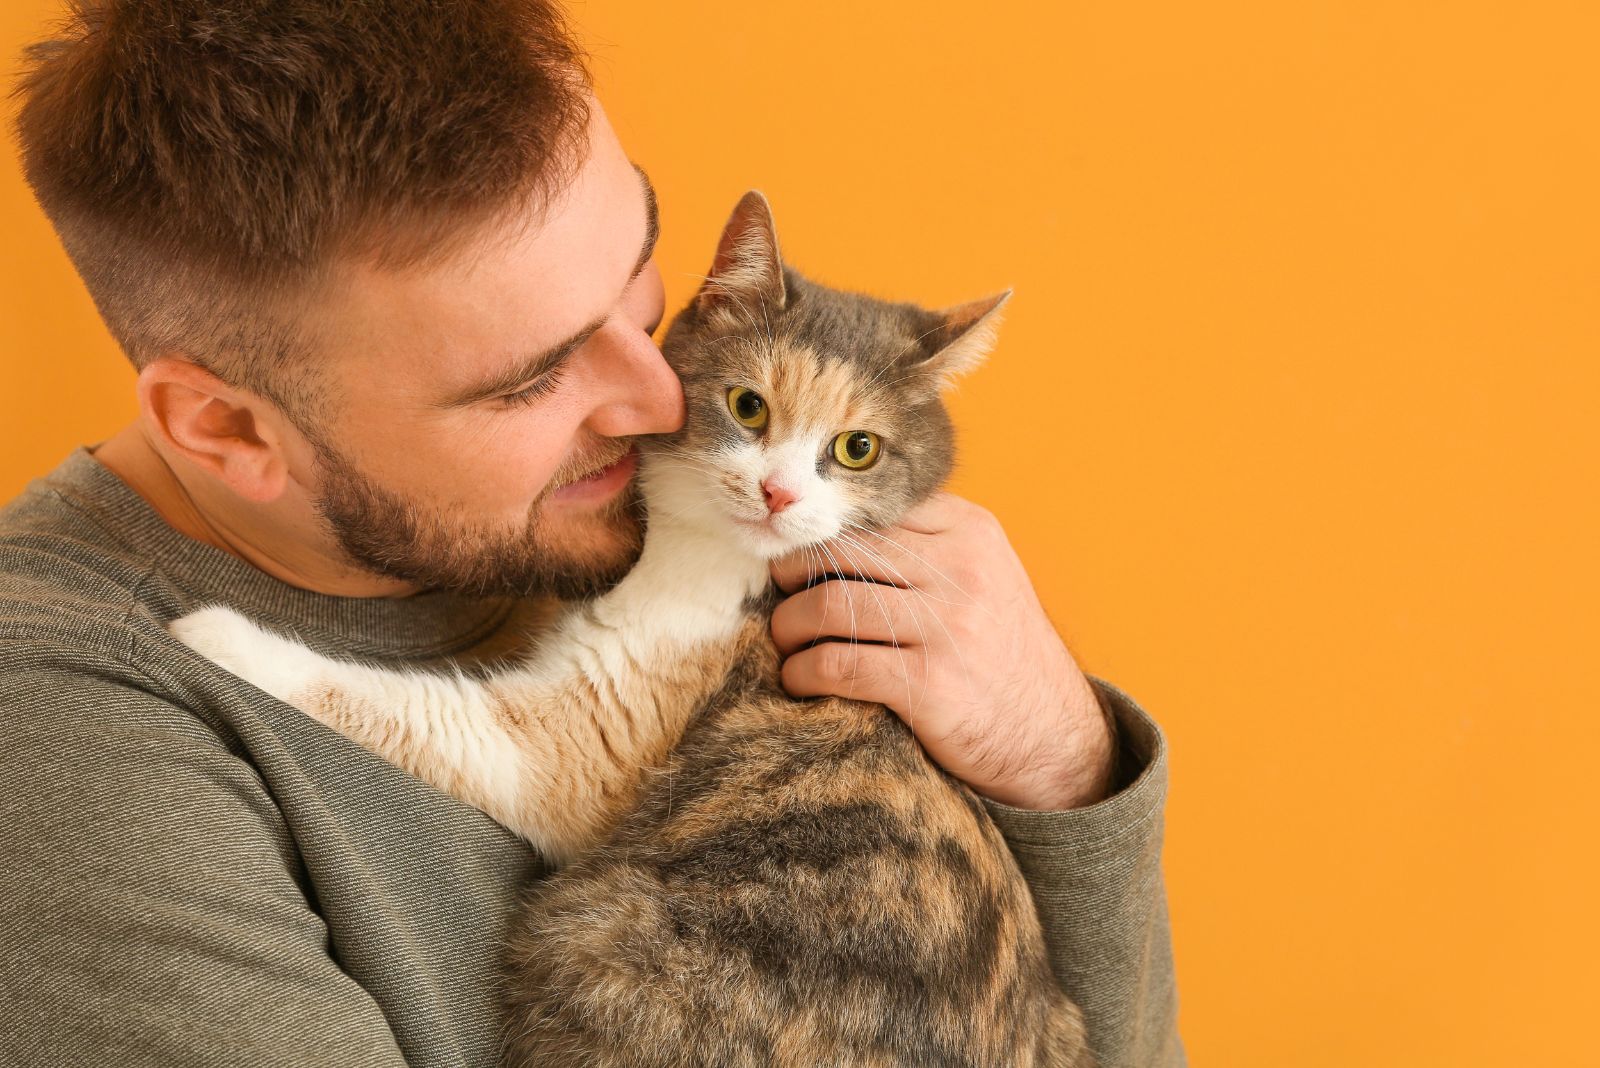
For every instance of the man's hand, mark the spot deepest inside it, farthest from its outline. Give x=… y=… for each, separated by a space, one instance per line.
x=970 y=661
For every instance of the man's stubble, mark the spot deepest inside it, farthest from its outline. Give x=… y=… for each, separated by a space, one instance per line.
x=385 y=534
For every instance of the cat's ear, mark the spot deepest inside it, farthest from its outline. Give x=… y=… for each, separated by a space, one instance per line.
x=747 y=271
x=963 y=339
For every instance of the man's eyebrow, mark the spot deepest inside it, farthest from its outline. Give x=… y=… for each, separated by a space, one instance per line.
x=528 y=369
x=652 y=223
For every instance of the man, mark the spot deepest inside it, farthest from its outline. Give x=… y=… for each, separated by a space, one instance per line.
x=388 y=279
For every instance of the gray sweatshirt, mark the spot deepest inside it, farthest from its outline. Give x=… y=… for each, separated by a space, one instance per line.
x=193 y=873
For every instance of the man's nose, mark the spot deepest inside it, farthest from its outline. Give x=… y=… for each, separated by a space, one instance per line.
x=641 y=393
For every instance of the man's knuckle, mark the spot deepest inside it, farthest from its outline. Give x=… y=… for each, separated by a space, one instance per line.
x=971 y=512
x=838 y=661
x=965 y=572
x=992 y=531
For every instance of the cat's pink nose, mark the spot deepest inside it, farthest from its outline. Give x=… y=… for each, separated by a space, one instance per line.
x=778 y=495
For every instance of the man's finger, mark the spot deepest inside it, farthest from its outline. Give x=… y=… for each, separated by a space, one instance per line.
x=859 y=611
x=936 y=514
x=879 y=673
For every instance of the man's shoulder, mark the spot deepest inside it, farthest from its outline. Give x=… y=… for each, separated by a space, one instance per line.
x=64 y=576
x=89 y=675
x=83 y=598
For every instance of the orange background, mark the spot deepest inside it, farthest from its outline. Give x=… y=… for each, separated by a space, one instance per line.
x=1293 y=420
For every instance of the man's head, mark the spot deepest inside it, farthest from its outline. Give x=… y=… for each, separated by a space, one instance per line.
x=341 y=242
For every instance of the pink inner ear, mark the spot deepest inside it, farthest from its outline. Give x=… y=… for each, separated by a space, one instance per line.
x=746 y=264
x=958 y=318
x=965 y=337
x=740 y=232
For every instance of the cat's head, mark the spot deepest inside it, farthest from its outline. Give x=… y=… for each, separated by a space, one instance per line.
x=809 y=410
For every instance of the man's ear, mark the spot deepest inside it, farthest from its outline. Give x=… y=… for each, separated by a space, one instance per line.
x=231 y=434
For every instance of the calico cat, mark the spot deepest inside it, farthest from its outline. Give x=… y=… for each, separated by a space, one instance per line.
x=748 y=879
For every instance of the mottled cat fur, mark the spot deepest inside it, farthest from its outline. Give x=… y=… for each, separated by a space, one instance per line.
x=750 y=879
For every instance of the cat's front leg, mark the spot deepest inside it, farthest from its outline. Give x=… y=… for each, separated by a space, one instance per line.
x=448 y=729
x=283 y=668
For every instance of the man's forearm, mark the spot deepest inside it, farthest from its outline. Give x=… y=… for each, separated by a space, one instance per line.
x=1095 y=873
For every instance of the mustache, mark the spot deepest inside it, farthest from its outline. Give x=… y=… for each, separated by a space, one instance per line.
x=578 y=468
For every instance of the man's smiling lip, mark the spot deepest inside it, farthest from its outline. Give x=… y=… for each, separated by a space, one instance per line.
x=604 y=482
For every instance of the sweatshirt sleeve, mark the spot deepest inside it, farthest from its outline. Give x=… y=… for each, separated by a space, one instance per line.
x=152 y=908
x=1095 y=874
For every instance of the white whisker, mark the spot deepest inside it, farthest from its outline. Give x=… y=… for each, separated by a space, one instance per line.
x=919 y=558
x=824 y=548
x=894 y=639
x=966 y=671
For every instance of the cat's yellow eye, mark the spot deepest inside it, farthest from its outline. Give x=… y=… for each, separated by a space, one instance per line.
x=857 y=449
x=747 y=407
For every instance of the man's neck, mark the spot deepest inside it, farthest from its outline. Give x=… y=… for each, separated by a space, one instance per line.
x=250 y=532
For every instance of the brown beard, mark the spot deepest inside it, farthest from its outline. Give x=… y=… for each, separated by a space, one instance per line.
x=388 y=535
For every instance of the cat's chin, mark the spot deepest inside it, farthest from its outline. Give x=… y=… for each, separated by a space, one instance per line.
x=760 y=540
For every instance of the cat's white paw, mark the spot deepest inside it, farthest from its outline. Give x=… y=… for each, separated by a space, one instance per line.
x=256 y=655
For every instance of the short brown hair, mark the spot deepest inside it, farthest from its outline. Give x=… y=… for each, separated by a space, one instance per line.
x=203 y=161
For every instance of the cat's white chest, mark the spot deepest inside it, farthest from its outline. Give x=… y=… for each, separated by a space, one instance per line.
x=686 y=589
